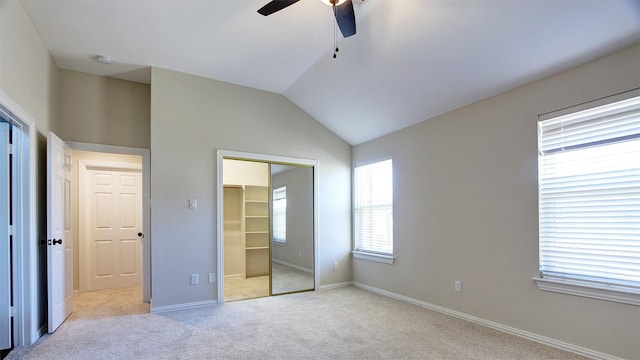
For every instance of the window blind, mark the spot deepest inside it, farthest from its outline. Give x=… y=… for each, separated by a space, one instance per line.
x=374 y=207
x=280 y=214
x=589 y=195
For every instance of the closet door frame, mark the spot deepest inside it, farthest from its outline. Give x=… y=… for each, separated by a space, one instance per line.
x=238 y=155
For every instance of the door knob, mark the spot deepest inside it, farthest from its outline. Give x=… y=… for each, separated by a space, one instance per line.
x=140 y=234
x=59 y=241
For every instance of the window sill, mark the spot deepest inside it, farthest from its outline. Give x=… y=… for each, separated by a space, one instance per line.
x=383 y=258
x=602 y=292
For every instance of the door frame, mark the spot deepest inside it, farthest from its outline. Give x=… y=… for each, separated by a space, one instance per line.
x=146 y=203
x=221 y=155
x=6 y=337
x=26 y=296
x=84 y=166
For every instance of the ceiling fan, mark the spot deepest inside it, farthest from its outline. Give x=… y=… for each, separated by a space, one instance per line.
x=342 y=10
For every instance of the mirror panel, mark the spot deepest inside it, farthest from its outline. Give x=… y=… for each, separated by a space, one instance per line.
x=292 y=260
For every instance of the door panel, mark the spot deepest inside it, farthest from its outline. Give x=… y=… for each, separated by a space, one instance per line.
x=59 y=239
x=292 y=259
x=114 y=219
x=5 y=270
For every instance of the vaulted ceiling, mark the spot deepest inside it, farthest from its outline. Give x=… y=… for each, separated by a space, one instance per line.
x=409 y=61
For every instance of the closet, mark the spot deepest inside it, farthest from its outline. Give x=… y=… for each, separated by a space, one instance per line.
x=268 y=228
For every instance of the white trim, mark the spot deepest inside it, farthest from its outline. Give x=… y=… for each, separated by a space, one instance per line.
x=84 y=166
x=383 y=258
x=504 y=328
x=220 y=228
x=594 y=291
x=146 y=202
x=185 y=306
x=336 y=286
x=299 y=268
x=221 y=154
x=25 y=253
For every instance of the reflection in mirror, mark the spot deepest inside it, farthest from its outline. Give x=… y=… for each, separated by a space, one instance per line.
x=292 y=229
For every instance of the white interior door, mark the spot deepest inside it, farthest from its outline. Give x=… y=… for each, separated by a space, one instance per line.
x=59 y=237
x=114 y=214
x=5 y=270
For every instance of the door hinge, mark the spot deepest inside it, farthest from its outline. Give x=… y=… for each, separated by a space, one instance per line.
x=11 y=230
x=12 y=311
x=10 y=149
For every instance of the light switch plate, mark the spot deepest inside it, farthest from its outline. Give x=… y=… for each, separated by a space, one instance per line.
x=193 y=204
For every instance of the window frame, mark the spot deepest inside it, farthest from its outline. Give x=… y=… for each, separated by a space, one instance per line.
x=574 y=286
x=371 y=254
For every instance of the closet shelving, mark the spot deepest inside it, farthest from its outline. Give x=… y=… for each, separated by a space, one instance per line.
x=256 y=230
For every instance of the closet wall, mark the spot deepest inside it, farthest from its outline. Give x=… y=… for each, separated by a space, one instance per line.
x=246 y=218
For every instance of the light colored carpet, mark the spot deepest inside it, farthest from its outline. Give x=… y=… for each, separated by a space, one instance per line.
x=345 y=323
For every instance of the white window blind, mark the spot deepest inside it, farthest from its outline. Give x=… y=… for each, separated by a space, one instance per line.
x=280 y=214
x=374 y=207
x=589 y=195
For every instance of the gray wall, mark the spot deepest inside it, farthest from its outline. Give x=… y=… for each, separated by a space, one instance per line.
x=299 y=246
x=100 y=110
x=28 y=74
x=192 y=117
x=465 y=208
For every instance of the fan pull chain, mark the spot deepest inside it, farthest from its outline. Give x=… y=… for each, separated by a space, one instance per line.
x=335 y=33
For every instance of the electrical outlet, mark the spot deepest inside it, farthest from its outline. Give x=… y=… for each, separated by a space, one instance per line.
x=458 y=286
x=194 y=279
x=335 y=266
x=212 y=277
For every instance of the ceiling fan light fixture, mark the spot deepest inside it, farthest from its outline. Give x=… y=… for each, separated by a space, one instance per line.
x=334 y=2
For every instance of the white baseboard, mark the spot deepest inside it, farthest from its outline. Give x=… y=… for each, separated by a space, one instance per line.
x=504 y=328
x=336 y=285
x=234 y=276
x=197 y=304
x=300 y=268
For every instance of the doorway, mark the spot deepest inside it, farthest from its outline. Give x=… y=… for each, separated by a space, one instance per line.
x=6 y=324
x=24 y=252
x=111 y=217
x=267 y=234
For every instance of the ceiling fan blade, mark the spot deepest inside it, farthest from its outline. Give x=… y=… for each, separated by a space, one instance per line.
x=346 y=18
x=275 y=5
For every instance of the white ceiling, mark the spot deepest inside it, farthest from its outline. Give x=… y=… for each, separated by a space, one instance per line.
x=410 y=60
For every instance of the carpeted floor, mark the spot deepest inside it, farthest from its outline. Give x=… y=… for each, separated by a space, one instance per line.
x=345 y=323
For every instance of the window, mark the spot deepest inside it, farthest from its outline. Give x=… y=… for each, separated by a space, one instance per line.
x=374 y=209
x=280 y=215
x=589 y=202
